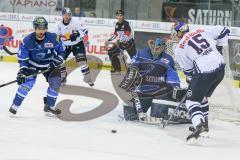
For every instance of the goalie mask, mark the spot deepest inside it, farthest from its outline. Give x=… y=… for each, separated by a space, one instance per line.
x=157 y=46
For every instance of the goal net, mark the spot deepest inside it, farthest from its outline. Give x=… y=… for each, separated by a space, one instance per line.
x=225 y=101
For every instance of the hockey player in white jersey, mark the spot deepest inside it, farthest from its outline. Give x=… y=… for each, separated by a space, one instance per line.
x=199 y=55
x=72 y=33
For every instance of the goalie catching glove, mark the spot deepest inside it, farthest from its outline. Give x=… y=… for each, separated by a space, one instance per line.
x=132 y=79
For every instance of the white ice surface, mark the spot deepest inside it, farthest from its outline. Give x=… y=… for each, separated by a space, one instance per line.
x=31 y=135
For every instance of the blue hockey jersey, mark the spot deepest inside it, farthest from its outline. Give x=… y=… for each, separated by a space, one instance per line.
x=155 y=71
x=39 y=54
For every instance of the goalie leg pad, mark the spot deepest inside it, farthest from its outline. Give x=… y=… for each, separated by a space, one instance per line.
x=159 y=110
x=132 y=79
x=130 y=113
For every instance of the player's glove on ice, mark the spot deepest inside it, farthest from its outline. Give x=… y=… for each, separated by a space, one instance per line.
x=22 y=76
x=74 y=35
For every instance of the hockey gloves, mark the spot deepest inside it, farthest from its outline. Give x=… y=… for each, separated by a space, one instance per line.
x=57 y=62
x=74 y=35
x=22 y=76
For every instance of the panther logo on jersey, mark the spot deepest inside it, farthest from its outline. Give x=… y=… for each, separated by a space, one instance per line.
x=147 y=68
x=40 y=56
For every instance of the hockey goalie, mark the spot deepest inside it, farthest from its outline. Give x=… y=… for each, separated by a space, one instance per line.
x=150 y=76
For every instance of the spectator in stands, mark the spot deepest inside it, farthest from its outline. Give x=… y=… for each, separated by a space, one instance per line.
x=78 y=12
x=92 y=14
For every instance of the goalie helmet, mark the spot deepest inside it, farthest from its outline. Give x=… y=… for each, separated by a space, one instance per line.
x=157 y=46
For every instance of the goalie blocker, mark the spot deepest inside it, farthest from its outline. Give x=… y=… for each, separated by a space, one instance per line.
x=133 y=79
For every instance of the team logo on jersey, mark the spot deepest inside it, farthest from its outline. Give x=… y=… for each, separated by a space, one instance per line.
x=66 y=36
x=40 y=56
x=48 y=45
x=5 y=35
x=147 y=68
x=116 y=26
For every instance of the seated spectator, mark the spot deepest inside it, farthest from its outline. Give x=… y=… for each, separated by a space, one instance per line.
x=92 y=14
x=78 y=12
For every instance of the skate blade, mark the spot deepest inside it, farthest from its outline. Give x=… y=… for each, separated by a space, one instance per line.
x=205 y=135
x=49 y=114
x=199 y=140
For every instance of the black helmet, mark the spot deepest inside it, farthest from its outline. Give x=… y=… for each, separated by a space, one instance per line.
x=40 y=22
x=66 y=11
x=120 y=12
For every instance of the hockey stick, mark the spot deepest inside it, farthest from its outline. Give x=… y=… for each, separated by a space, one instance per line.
x=8 y=52
x=165 y=123
x=14 y=81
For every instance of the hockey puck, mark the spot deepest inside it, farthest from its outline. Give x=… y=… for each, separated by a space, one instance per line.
x=114 y=131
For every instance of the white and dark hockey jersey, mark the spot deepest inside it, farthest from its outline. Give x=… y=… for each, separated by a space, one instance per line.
x=122 y=32
x=65 y=30
x=196 y=52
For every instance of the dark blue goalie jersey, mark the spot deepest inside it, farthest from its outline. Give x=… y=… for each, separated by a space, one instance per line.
x=156 y=72
x=39 y=54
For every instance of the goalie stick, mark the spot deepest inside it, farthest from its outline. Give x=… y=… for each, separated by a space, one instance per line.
x=165 y=123
x=8 y=51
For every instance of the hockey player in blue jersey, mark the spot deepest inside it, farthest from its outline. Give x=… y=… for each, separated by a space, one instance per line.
x=152 y=75
x=41 y=51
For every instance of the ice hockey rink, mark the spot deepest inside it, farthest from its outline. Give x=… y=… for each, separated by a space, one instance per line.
x=31 y=135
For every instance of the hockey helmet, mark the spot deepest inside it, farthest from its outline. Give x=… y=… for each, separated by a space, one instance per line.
x=181 y=26
x=120 y=12
x=66 y=11
x=157 y=46
x=40 y=22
